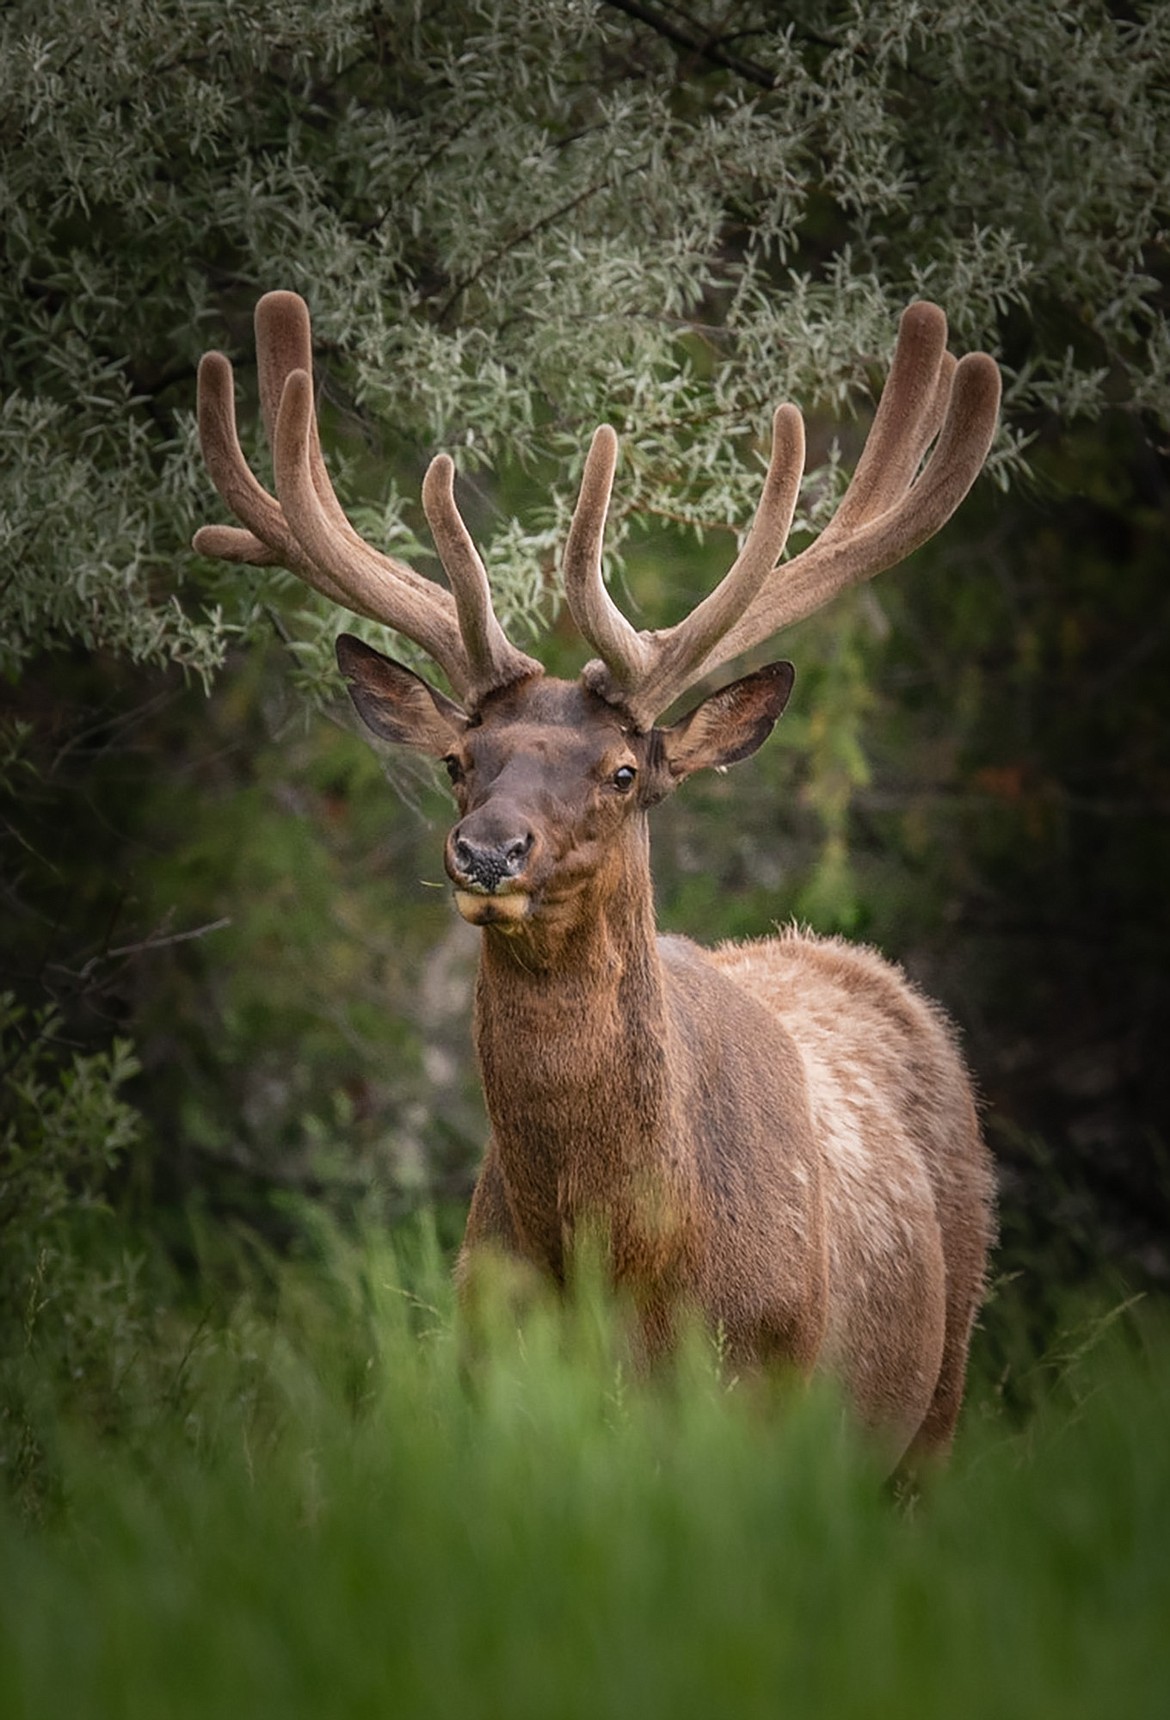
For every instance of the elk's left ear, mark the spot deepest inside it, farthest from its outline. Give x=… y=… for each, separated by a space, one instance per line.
x=728 y=726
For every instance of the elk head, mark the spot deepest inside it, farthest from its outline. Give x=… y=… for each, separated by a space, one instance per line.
x=553 y=778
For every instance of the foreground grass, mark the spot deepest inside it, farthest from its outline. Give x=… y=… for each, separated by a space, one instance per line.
x=326 y=1518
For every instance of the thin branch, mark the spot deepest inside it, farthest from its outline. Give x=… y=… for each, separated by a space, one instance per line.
x=113 y=727
x=402 y=198
x=161 y=941
x=530 y=232
x=707 y=48
x=156 y=941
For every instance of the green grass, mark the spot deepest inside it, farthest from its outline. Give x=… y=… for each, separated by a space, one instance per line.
x=330 y=1516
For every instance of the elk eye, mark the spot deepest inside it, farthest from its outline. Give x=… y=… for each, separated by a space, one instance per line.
x=453 y=768
x=623 y=777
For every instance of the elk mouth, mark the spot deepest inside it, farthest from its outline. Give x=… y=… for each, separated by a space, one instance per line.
x=482 y=907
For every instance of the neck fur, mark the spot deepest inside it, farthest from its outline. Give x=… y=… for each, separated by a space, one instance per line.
x=573 y=1036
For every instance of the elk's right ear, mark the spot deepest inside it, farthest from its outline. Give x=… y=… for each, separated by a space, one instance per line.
x=396 y=703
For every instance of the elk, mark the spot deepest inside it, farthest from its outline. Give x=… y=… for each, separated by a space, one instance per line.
x=778 y=1136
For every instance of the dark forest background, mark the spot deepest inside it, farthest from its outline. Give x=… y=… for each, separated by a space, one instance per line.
x=234 y=993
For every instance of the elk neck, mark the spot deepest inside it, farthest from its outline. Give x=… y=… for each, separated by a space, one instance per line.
x=574 y=1039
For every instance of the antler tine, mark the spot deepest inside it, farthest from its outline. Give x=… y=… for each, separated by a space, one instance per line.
x=492 y=658
x=622 y=649
x=284 y=343
x=675 y=652
x=467 y=640
x=268 y=541
x=385 y=587
x=908 y=414
x=411 y=605
x=647 y=671
x=282 y=337
x=841 y=558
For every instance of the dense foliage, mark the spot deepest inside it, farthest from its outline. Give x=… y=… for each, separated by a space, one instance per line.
x=226 y=991
x=513 y=220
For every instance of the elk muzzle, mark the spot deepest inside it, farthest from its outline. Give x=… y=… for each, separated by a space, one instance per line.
x=488 y=858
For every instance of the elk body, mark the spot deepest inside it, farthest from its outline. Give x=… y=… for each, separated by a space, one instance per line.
x=778 y=1136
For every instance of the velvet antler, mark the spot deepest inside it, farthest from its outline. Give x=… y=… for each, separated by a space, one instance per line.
x=892 y=505
x=888 y=510
x=306 y=529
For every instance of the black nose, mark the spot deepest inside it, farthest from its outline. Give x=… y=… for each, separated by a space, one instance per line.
x=489 y=863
